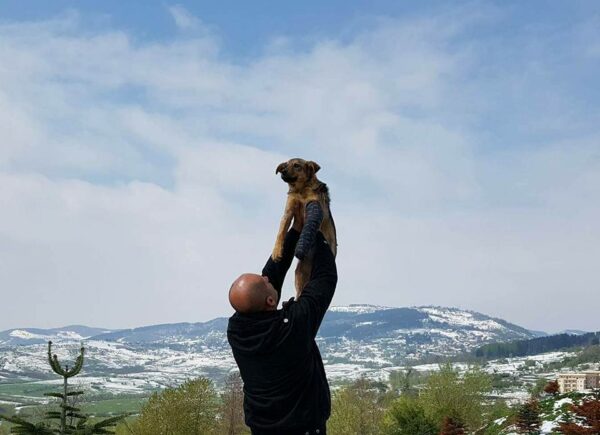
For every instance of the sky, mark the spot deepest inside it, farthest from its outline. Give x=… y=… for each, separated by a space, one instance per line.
x=139 y=140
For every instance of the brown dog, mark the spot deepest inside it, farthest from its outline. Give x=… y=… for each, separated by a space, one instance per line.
x=304 y=187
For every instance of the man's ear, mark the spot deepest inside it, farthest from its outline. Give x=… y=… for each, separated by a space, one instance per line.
x=312 y=168
x=280 y=167
x=271 y=302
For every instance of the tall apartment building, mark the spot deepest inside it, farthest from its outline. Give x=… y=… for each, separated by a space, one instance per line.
x=568 y=382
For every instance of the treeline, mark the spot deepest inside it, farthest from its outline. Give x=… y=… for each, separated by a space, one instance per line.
x=412 y=403
x=409 y=403
x=445 y=402
x=537 y=345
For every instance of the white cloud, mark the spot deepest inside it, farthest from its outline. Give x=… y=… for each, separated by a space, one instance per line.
x=182 y=17
x=138 y=178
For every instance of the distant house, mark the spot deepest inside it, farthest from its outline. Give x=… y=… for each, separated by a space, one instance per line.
x=568 y=382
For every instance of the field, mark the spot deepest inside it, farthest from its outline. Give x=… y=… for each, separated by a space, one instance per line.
x=27 y=395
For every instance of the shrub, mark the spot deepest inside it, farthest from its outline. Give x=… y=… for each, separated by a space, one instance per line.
x=189 y=409
x=358 y=409
x=448 y=394
x=406 y=416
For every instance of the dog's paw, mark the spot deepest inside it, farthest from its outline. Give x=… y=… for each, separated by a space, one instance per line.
x=277 y=254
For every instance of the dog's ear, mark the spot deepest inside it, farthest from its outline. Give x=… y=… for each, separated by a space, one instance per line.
x=280 y=167
x=312 y=168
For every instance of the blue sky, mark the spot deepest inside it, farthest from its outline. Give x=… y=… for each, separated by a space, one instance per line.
x=460 y=142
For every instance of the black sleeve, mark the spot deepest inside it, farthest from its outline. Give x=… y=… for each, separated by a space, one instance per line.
x=312 y=222
x=276 y=270
x=316 y=296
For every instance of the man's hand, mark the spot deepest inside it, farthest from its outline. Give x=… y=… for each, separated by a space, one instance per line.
x=298 y=217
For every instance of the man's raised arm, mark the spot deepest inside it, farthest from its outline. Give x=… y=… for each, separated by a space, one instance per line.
x=276 y=271
x=317 y=294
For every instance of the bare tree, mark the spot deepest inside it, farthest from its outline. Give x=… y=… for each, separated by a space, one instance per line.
x=232 y=408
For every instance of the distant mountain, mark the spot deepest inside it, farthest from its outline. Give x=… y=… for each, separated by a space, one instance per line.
x=393 y=336
x=572 y=332
x=25 y=336
x=367 y=322
x=396 y=333
x=539 y=333
x=172 y=335
x=354 y=340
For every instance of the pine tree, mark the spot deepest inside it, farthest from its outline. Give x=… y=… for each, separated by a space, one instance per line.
x=24 y=427
x=451 y=426
x=78 y=422
x=528 y=418
x=66 y=373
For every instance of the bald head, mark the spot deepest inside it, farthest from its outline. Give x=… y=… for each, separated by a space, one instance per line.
x=251 y=293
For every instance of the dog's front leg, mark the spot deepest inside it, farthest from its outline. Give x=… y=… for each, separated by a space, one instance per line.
x=284 y=225
x=303 y=270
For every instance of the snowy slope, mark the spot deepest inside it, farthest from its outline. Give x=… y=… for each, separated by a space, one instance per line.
x=26 y=336
x=354 y=340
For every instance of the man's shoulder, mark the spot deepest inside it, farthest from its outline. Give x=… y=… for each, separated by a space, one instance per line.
x=246 y=319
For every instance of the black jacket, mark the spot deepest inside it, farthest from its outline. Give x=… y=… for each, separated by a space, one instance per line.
x=285 y=388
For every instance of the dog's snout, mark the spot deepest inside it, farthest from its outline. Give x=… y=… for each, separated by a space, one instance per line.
x=281 y=168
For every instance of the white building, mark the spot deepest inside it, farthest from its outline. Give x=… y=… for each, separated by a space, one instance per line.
x=583 y=381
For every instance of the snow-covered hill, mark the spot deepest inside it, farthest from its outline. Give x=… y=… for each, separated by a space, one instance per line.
x=26 y=336
x=354 y=340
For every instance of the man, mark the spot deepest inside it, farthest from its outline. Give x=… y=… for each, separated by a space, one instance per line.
x=285 y=388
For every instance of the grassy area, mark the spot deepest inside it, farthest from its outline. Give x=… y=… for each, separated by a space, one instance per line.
x=29 y=393
x=29 y=389
x=116 y=405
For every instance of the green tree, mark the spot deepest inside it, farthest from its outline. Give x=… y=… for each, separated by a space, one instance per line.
x=358 y=409
x=406 y=416
x=528 y=418
x=66 y=411
x=189 y=409
x=448 y=394
x=24 y=427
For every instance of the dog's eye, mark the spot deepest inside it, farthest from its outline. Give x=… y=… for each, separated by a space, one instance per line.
x=296 y=165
